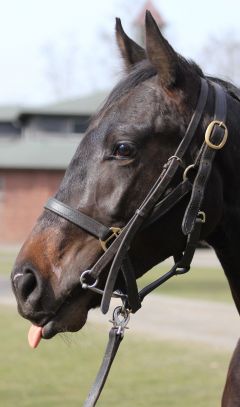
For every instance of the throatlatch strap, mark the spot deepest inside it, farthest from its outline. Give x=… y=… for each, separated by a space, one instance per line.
x=113 y=344
x=78 y=218
x=205 y=165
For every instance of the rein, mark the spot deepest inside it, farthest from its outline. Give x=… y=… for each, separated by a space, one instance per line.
x=116 y=242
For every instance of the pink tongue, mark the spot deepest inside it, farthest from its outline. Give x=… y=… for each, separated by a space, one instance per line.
x=34 y=336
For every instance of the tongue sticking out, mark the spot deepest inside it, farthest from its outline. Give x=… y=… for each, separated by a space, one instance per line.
x=34 y=336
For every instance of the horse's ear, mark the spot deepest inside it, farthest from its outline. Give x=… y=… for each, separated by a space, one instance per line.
x=160 y=53
x=132 y=52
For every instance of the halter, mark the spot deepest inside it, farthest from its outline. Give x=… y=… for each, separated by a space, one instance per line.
x=116 y=242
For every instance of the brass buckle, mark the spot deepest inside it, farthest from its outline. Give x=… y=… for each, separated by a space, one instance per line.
x=209 y=133
x=115 y=232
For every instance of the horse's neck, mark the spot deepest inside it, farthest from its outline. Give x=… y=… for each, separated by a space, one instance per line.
x=226 y=237
x=226 y=242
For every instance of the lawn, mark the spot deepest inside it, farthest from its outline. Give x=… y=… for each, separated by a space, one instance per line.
x=146 y=372
x=200 y=283
x=7 y=259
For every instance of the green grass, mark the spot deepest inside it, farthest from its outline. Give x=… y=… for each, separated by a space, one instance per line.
x=199 y=283
x=7 y=259
x=145 y=373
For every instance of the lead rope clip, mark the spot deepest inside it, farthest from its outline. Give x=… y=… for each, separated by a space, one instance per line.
x=120 y=319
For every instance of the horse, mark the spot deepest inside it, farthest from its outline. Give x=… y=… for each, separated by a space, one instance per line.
x=134 y=161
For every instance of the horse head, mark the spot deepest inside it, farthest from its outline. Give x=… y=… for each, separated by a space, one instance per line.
x=119 y=159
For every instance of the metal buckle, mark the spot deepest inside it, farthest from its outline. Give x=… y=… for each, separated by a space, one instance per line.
x=209 y=133
x=115 y=232
x=201 y=217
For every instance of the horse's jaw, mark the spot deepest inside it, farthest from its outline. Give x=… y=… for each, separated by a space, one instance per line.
x=71 y=316
x=58 y=303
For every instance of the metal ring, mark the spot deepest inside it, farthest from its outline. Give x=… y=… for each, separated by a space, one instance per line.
x=121 y=316
x=186 y=171
x=85 y=285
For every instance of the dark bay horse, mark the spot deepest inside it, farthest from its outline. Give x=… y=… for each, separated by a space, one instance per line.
x=144 y=120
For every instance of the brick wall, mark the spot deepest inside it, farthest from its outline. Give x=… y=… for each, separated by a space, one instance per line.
x=22 y=195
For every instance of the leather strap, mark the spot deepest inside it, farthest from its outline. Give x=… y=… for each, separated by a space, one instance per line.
x=114 y=341
x=115 y=337
x=161 y=209
x=167 y=203
x=134 y=303
x=195 y=120
x=206 y=161
x=182 y=266
x=78 y=218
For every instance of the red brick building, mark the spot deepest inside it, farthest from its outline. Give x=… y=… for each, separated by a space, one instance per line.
x=35 y=149
x=23 y=193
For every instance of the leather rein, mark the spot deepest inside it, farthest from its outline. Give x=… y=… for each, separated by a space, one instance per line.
x=116 y=242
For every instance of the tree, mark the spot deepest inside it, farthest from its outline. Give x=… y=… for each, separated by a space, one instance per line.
x=221 y=57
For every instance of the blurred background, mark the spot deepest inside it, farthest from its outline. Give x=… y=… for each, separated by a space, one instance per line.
x=58 y=62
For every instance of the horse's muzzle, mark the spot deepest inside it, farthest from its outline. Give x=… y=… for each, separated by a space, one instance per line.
x=29 y=287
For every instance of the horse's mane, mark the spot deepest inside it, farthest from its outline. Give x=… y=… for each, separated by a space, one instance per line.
x=144 y=70
x=231 y=89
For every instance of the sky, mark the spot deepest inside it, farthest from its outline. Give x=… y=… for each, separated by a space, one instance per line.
x=58 y=49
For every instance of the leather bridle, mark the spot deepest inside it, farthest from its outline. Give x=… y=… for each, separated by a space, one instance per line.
x=116 y=242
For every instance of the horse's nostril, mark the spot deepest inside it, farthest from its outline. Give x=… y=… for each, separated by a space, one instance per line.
x=29 y=283
x=26 y=284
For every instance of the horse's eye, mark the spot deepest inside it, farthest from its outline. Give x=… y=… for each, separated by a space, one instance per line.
x=124 y=150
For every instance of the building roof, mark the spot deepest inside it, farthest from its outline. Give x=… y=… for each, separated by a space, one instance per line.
x=52 y=153
x=9 y=113
x=84 y=106
x=44 y=151
x=140 y=19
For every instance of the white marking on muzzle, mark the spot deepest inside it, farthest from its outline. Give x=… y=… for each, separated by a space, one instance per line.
x=17 y=276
